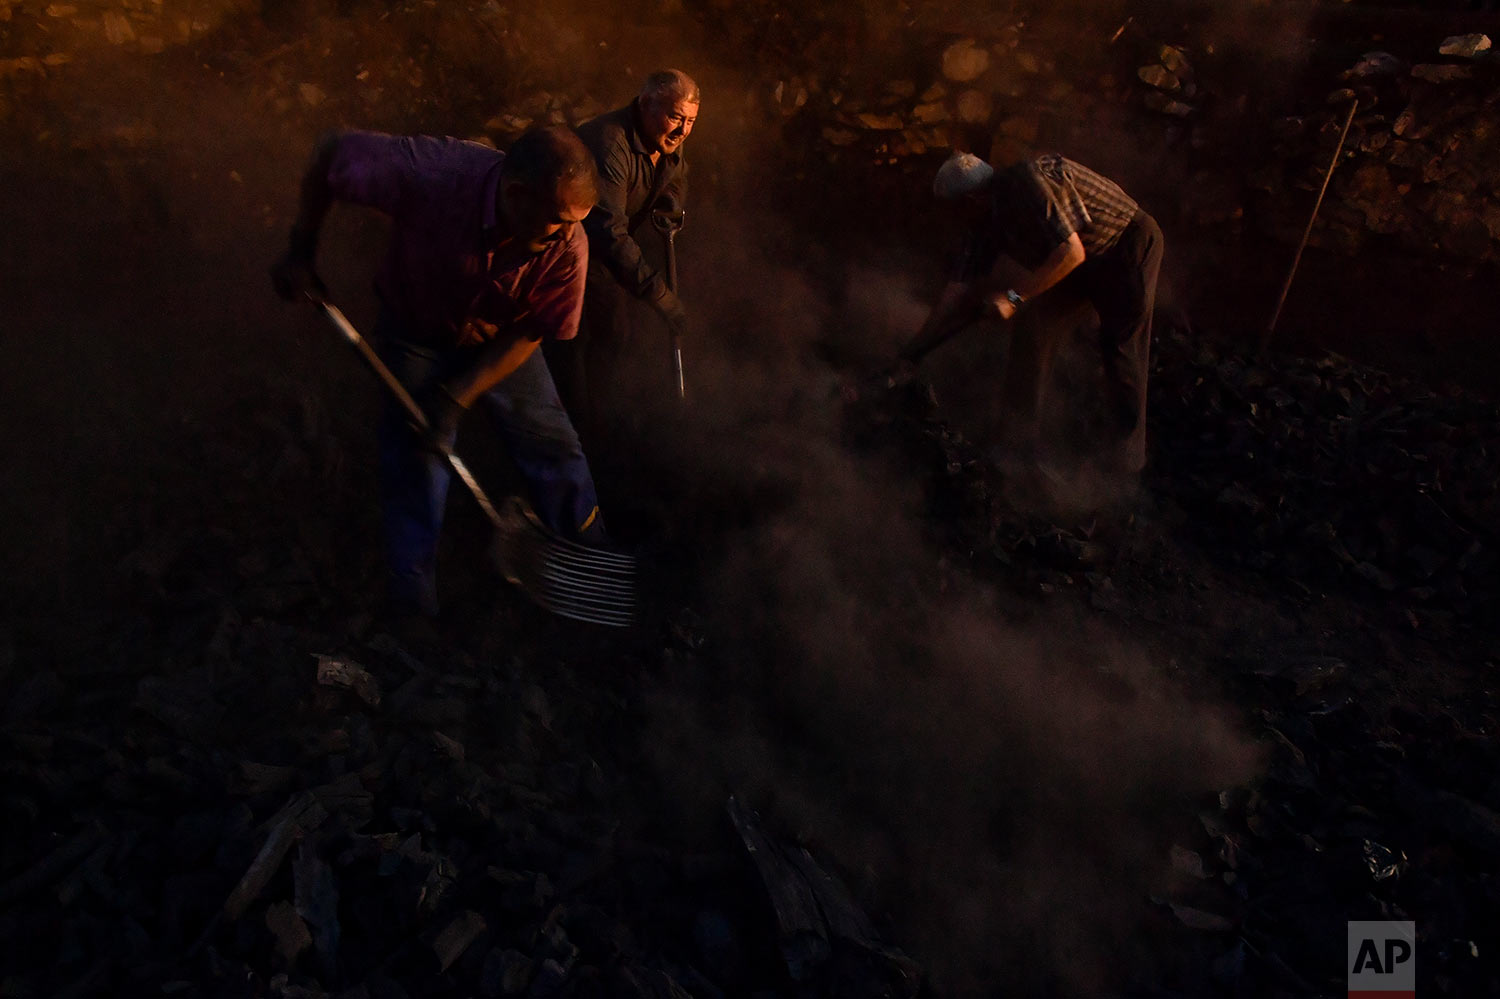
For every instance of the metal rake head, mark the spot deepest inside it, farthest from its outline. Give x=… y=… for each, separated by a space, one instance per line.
x=571 y=580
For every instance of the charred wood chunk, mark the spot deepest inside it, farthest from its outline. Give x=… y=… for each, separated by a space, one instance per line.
x=822 y=933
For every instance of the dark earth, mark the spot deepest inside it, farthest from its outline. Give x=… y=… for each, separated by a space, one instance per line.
x=892 y=721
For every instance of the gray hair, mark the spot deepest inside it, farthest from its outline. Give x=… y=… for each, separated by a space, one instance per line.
x=961 y=174
x=666 y=87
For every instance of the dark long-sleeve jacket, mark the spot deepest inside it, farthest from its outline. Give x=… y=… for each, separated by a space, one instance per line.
x=629 y=185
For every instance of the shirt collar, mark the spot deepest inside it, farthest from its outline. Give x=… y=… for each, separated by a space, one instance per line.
x=635 y=131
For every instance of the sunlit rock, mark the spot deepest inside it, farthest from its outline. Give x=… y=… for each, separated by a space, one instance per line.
x=117 y=29
x=880 y=122
x=1465 y=46
x=1173 y=59
x=964 y=61
x=1159 y=77
x=974 y=107
x=930 y=113
x=1158 y=101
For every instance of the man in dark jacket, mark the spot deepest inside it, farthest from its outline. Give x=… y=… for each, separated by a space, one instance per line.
x=638 y=152
x=487 y=258
x=1032 y=225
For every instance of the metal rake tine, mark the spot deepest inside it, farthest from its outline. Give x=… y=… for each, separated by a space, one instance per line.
x=588 y=595
x=600 y=557
x=584 y=589
x=614 y=589
x=593 y=556
x=576 y=548
x=547 y=556
x=582 y=584
x=538 y=548
x=570 y=579
x=564 y=546
x=593 y=564
x=521 y=515
x=586 y=581
x=588 y=555
x=586 y=572
x=561 y=561
x=605 y=620
x=581 y=612
x=585 y=603
x=595 y=615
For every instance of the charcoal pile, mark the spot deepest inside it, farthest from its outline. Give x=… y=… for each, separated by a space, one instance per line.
x=1360 y=814
x=1320 y=470
x=1287 y=464
x=1376 y=802
x=279 y=823
x=378 y=819
x=1004 y=520
x=1377 y=798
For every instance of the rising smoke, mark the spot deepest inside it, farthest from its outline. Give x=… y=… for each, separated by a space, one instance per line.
x=1003 y=782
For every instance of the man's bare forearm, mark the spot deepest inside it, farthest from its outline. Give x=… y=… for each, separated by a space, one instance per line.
x=951 y=313
x=1058 y=264
x=495 y=362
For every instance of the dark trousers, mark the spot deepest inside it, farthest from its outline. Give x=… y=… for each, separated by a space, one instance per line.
x=589 y=367
x=525 y=410
x=1121 y=286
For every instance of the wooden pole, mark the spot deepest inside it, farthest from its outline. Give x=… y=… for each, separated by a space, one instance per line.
x=1265 y=337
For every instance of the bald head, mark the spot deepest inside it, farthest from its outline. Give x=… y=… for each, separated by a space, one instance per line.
x=962 y=174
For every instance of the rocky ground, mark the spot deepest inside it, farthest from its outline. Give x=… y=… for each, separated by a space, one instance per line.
x=890 y=725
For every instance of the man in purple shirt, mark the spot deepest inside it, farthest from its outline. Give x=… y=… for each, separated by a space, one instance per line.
x=487 y=257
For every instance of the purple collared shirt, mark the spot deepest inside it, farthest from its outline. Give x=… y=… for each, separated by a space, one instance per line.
x=450 y=260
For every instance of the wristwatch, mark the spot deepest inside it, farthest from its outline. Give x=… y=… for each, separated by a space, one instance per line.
x=1014 y=297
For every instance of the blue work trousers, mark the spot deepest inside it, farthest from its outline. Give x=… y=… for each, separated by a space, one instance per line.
x=542 y=443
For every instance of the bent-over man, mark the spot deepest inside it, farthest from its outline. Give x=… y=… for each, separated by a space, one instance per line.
x=487 y=258
x=1030 y=226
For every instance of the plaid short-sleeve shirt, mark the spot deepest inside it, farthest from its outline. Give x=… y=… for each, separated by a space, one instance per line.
x=1036 y=205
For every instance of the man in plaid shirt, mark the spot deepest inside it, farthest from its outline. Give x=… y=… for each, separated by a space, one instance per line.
x=1032 y=225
